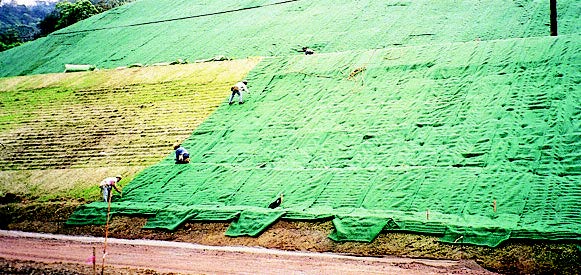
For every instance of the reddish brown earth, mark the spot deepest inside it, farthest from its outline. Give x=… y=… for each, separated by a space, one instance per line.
x=390 y=251
x=145 y=256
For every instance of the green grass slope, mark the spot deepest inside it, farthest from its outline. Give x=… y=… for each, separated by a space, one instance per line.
x=151 y=31
x=477 y=145
x=61 y=134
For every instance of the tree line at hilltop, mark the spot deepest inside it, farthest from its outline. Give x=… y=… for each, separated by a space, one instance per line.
x=20 y=23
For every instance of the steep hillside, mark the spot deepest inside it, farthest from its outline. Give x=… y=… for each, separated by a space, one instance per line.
x=151 y=31
x=454 y=118
x=478 y=146
x=61 y=133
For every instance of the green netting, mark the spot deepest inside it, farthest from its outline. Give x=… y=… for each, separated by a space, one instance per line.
x=359 y=226
x=94 y=213
x=491 y=237
x=171 y=218
x=477 y=145
x=253 y=222
x=153 y=31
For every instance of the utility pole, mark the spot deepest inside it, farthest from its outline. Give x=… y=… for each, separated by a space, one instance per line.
x=553 y=17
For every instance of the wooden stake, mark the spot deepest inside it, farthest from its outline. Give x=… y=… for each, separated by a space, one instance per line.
x=553 y=17
x=94 y=261
x=427 y=214
x=494 y=205
x=106 y=231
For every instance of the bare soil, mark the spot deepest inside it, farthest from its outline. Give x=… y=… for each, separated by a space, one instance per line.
x=512 y=257
x=146 y=256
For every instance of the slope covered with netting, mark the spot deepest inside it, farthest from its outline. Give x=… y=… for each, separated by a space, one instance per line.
x=152 y=31
x=477 y=145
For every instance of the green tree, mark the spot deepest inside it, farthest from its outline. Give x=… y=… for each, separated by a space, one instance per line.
x=9 y=39
x=71 y=13
x=48 y=24
x=105 y=5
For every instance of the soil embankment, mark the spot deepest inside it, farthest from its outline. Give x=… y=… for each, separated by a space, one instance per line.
x=525 y=257
x=178 y=257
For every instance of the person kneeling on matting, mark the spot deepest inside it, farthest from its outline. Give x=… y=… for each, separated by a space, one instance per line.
x=182 y=155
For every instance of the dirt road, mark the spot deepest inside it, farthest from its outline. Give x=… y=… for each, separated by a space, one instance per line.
x=187 y=258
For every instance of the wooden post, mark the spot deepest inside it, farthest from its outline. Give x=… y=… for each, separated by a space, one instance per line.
x=94 y=261
x=427 y=214
x=494 y=205
x=553 y=17
x=106 y=231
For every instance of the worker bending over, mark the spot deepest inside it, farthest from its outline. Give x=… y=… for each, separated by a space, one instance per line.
x=107 y=184
x=237 y=89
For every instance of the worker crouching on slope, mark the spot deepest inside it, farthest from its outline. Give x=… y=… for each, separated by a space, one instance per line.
x=182 y=155
x=107 y=185
x=308 y=51
x=237 y=89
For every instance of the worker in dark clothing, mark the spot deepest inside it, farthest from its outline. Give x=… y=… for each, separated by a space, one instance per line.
x=308 y=51
x=276 y=203
x=182 y=155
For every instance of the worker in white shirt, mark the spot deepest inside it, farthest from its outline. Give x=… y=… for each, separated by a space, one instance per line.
x=107 y=185
x=237 y=89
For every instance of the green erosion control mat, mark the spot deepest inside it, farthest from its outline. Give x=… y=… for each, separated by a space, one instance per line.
x=477 y=145
x=153 y=31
